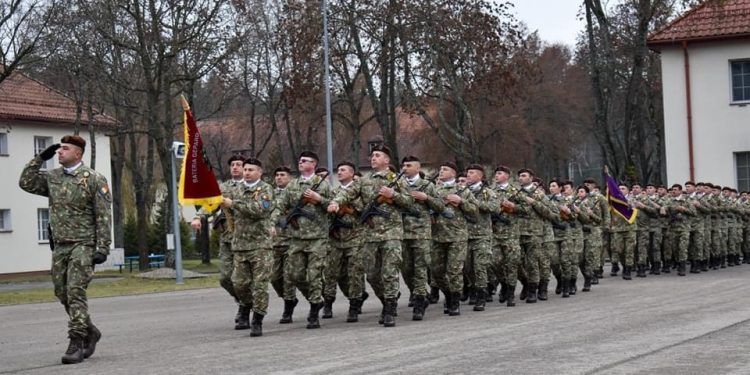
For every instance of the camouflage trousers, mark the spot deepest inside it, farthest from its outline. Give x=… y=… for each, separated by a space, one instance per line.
x=655 y=240
x=676 y=245
x=478 y=258
x=345 y=267
x=226 y=266
x=697 y=244
x=622 y=247
x=415 y=261
x=564 y=258
x=577 y=243
x=715 y=241
x=605 y=252
x=592 y=251
x=304 y=267
x=383 y=265
x=447 y=265
x=724 y=240
x=642 y=239
x=252 y=272
x=506 y=259
x=72 y=270
x=734 y=241
x=746 y=240
x=531 y=249
x=282 y=285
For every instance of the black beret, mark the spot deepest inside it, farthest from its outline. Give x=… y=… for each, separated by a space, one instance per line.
x=476 y=167
x=676 y=186
x=320 y=170
x=347 y=164
x=74 y=140
x=308 y=154
x=526 y=170
x=283 y=168
x=502 y=168
x=253 y=161
x=410 y=158
x=382 y=148
x=236 y=157
x=450 y=165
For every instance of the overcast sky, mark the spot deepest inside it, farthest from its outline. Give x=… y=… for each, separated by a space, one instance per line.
x=556 y=20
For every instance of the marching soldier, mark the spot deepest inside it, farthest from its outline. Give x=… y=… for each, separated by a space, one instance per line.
x=647 y=210
x=680 y=209
x=506 y=247
x=623 y=241
x=600 y=209
x=282 y=285
x=566 y=264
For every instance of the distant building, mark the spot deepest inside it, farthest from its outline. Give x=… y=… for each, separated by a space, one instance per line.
x=705 y=59
x=32 y=117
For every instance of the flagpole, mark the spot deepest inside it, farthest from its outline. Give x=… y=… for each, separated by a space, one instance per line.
x=176 y=219
x=327 y=86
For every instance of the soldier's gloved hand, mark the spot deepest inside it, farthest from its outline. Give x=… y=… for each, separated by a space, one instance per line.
x=49 y=152
x=99 y=258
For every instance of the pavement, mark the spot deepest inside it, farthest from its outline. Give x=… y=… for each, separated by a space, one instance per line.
x=698 y=324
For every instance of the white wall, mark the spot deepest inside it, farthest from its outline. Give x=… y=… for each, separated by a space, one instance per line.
x=719 y=128
x=20 y=249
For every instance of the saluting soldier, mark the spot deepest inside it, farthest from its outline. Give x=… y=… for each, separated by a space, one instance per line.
x=385 y=195
x=80 y=221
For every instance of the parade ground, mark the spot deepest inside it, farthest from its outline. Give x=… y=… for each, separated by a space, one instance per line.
x=698 y=324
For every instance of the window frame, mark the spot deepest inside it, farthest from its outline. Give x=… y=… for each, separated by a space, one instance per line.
x=48 y=164
x=42 y=235
x=4 y=144
x=731 y=83
x=6 y=224
x=743 y=184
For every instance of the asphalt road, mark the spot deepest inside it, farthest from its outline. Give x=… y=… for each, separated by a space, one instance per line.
x=697 y=324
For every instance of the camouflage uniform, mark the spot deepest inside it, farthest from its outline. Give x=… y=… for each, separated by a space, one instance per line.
x=80 y=219
x=597 y=242
x=417 y=241
x=623 y=241
x=696 y=234
x=344 y=264
x=252 y=245
x=591 y=231
x=679 y=229
x=734 y=224
x=715 y=230
x=309 y=244
x=655 y=232
x=550 y=251
x=506 y=247
x=703 y=252
x=567 y=264
x=643 y=221
x=531 y=218
x=479 y=246
x=282 y=285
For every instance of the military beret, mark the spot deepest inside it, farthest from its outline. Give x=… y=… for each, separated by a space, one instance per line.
x=502 y=168
x=537 y=180
x=347 y=164
x=450 y=165
x=74 y=140
x=589 y=181
x=309 y=154
x=382 y=148
x=253 y=161
x=526 y=170
x=236 y=157
x=691 y=183
x=676 y=186
x=282 y=168
x=476 y=167
x=410 y=158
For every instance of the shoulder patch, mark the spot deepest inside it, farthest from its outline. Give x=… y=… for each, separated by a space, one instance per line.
x=104 y=192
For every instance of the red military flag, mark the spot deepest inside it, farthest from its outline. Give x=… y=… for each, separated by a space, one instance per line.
x=198 y=184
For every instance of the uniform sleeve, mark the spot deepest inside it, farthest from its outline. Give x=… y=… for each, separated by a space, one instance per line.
x=401 y=195
x=255 y=207
x=469 y=203
x=103 y=202
x=33 y=180
x=348 y=196
x=489 y=202
x=433 y=201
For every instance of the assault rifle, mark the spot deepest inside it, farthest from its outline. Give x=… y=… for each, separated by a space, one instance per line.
x=373 y=209
x=413 y=211
x=299 y=209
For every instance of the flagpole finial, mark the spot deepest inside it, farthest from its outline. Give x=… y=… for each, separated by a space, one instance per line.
x=184 y=103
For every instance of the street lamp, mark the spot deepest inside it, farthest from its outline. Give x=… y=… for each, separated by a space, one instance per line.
x=178 y=152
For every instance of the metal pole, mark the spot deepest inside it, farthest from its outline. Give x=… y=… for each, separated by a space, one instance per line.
x=327 y=85
x=176 y=224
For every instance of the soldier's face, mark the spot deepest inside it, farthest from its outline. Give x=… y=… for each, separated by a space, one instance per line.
x=637 y=189
x=554 y=188
x=524 y=178
x=462 y=181
x=235 y=168
x=379 y=160
x=582 y=193
x=473 y=176
x=282 y=179
x=623 y=190
x=446 y=174
x=690 y=189
x=676 y=192
x=252 y=172
x=661 y=191
x=345 y=174
x=650 y=190
x=68 y=154
x=501 y=177
x=411 y=168
x=568 y=189
x=306 y=165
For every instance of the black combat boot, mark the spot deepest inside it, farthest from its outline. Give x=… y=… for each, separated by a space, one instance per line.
x=352 y=316
x=531 y=293
x=328 y=307
x=565 y=290
x=542 y=292
x=362 y=301
x=657 y=268
x=491 y=287
x=411 y=300
x=704 y=265
x=626 y=273
x=524 y=291
x=256 y=326
x=420 y=303
x=586 y=284
x=558 y=278
x=74 y=353
x=244 y=321
x=615 y=269
x=681 y=268
x=503 y=295
x=434 y=295
x=473 y=297
x=312 y=318
x=454 y=307
x=389 y=313
x=479 y=306
x=572 y=286
x=723 y=261
x=695 y=267
x=737 y=261
x=382 y=309
x=730 y=260
x=599 y=273
x=239 y=312
x=641 y=270
x=651 y=268
x=89 y=342
x=594 y=279
x=464 y=296
x=286 y=316
x=667 y=267
x=510 y=294
x=448 y=301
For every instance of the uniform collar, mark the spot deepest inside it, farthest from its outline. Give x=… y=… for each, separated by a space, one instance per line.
x=251 y=185
x=450 y=183
x=71 y=170
x=412 y=180
x=476 y=186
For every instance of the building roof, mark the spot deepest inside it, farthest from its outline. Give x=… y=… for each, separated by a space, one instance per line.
x=24 y=98
x=711 y=20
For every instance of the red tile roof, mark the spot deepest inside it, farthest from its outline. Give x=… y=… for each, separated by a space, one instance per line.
x=712 y=20
x=24 y=98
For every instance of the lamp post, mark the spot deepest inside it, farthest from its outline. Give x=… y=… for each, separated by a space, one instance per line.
x=327 y=85
x=178 y=152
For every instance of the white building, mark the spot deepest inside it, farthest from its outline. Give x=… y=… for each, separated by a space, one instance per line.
x=705 y=60
x=32 y=117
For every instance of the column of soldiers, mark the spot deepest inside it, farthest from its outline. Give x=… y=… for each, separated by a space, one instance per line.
x=460 y=232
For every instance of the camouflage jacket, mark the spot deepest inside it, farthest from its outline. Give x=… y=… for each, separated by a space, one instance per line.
x=80 y=203
x=390 y=225
x=562 y=228
x=229 y=189
x=346 y=230
x=450 y=225
x=314 y=224
x=282 y=234
x=648 y=215
x=252 y=217
x=532 y=216
x=679 y=220
x=488 y=204
x=417 y=222
x=601 y=205
x=505 y=224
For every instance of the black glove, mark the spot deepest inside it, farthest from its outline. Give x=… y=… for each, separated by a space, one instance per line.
x=99 y=258
x=49 y=152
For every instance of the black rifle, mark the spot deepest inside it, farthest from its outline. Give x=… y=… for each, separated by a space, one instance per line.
x=448 y=214
x=51 y=239
x=373 y=209
x=413 y=211
x=299 y=209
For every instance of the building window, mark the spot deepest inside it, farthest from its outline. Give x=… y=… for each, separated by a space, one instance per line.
x=42 y=221
x=740 y=80
x=5 y=221
x=3 y=144
x=40 y=144
x=743 y=170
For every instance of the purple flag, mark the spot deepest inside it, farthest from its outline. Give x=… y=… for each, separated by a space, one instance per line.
x=617 y=202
